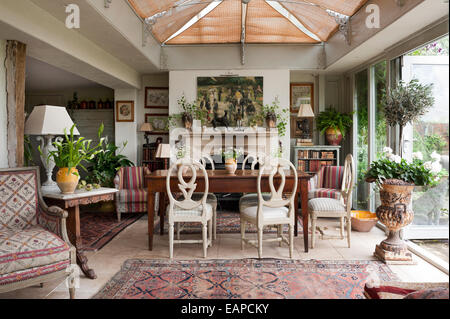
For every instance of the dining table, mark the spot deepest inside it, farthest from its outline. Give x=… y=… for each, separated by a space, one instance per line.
x=220 y=181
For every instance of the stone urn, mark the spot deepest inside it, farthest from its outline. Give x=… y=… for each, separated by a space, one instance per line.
x=333 y=136
x=67 y=182
x=395 y=213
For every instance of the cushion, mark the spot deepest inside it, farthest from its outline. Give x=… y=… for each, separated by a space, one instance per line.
x=132 y=177
x=18 y=199
x=436 y=293
x=30 y=248
x=332 y=177
x=268 y=212
x=325 y=192
x=133 y=195
x=326 y=205
x=192 y=212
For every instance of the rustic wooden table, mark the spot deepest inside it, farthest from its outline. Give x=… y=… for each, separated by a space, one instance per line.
x=222 y=182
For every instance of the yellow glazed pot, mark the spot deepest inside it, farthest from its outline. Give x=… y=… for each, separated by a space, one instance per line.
x=67 y=182
x=230 y=165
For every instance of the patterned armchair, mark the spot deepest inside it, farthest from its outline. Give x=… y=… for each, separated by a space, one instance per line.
x=132 y=196
x=326 y=183
x=34 y=246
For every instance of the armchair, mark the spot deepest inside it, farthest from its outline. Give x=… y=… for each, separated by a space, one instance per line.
x=327 y=183
x=34 y=246
x=132 y=196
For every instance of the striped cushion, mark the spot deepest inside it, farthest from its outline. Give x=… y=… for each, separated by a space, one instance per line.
x=325 y=192
x=132 y=177
x=331 y=177
x=268 y=212
x=325 y=205
x=133 y=195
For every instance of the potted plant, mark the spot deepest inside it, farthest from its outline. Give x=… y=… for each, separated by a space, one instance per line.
x=395 y=178
x=275 y=117
x=407 y=102
x=190 y=112
x=231 y=155
x=334 y=125
x=69 y=154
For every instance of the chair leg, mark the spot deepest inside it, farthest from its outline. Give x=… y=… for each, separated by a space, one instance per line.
x=342 y=227
x=280 y=233
x=215 y=222
x=291 y=241
x=313 y=230
x=119 y=216
x=72 y=293
x=243 y=224
x=210 y=231
x=349 y=230
x=260 y=242
x=171 y=233
x=205 y=240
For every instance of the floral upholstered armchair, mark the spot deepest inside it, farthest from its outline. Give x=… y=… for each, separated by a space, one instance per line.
x=327 y=183
x=34 y=246
x=132 y=196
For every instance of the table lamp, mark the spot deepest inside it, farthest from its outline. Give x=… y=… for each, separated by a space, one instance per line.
x=48 y=121
x=146 y=128
x=305 y=112
x=163 y=151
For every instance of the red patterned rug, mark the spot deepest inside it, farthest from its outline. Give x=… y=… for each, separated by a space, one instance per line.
x=98 y=229
x=243 y=279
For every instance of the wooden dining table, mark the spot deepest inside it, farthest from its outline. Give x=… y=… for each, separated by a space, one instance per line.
x=242 y=181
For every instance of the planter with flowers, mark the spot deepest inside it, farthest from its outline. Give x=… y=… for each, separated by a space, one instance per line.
x=395 y=179
x=231 y=155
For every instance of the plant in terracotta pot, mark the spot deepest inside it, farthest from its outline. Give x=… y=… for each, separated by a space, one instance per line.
x=231 y=156
x=190 y=112
x=70 y=154
x=395 y=179
x=275 y=117
x=334 y=125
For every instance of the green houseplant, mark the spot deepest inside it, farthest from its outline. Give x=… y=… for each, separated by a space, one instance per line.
x=275 y=116
x=70 y=154
x=334 y=125
x=189 y=113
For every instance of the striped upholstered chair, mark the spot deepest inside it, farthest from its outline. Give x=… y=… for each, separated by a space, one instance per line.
x=132 y=196
x=327 y=183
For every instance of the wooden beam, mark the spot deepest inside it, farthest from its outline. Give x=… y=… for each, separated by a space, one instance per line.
x=15 y=101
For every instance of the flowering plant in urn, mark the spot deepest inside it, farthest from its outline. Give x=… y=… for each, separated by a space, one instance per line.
x=395 y=178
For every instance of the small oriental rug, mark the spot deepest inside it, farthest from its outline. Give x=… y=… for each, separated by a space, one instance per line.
x=243 y=279
x=98 y=229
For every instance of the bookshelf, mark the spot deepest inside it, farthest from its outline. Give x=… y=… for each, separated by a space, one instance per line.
x=310 y=159
x=149 y=157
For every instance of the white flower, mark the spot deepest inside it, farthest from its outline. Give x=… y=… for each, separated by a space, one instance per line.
x=436 y=167
x=396 y=158
x=387 y=150
x=435 y=156
x=427 y=165
x=417 y=155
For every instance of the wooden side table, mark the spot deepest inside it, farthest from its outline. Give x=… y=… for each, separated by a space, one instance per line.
x=71 y=203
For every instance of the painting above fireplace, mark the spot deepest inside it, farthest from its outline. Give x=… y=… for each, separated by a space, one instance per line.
x=231 y=100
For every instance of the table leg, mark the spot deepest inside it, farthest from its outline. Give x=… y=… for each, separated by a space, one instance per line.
x=74 y=233
x=296 y=212
x=151 y=218
x=162 y=211
x=305 y=212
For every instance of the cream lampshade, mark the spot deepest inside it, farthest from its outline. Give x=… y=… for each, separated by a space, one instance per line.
x=163 y=151
x=305 y=110
x=146 y=128
x=48 y=121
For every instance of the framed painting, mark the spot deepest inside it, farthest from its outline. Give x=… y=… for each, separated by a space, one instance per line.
x=157 y=97
x=160 y=122
x=301 y=93
x=231 y=100
x=125 y=111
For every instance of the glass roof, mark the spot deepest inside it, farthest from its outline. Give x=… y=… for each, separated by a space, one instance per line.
x=243 y=21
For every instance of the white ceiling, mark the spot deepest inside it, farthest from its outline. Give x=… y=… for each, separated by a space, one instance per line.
x=41 y=76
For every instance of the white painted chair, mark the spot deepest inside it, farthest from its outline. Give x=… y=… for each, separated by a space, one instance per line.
x=188 y=210
x=338 y=208
x=276 y=211
x=251 y=199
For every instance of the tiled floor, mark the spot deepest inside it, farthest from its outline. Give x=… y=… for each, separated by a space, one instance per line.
x=132 y=243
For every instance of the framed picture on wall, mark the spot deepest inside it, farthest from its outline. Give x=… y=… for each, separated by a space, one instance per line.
x=160 y=122
x=157 y=98
x=301 y=93
x=125 y=111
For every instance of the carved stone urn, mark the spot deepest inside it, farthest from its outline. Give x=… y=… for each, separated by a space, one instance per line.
x=395 y=212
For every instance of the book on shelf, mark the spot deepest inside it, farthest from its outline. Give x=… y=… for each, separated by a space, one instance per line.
x=304 y=142
x=328 y=155
x=302 y=165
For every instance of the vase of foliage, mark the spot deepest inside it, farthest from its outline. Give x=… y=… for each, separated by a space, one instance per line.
x=405 y=103
x=231 y=155
x=334 y=125
x=275 y=117
x=395 y=178
x=189 y=113
x=68 y=155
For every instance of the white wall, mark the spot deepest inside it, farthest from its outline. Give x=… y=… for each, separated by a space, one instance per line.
x=127 y=131
x=276 y=83
x=3 y=114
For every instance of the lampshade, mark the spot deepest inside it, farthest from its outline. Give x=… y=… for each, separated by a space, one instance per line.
x=49 y=120
x=146 y=127
x=305 y=110
x=163 y=151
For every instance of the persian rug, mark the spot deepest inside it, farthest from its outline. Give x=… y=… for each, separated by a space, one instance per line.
x=98 y=229
x=243 y=279
x=227 y=223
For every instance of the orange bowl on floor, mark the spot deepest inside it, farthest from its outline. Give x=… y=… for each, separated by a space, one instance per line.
x=363 y=221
